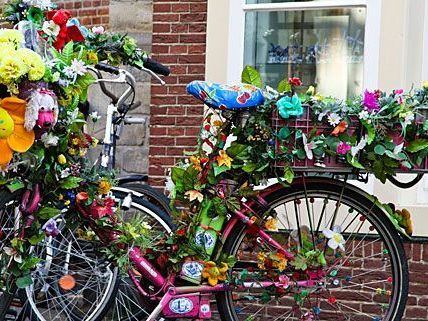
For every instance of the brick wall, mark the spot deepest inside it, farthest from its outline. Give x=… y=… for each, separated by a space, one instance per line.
x=90 y=12
x=179 y=37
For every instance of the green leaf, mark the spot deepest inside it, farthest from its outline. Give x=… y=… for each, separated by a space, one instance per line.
x=284 y=86
x=370 y=131
x=417 y=145
x=251 y=76
x=379 y=149
x=219 y=169
x=353 y=161
x=249 y=167
x=24 y=281
x=46 y=213
x=288 y=175
x=15 y=185
x=237 y=151
x=284 y=133
x=67 y=53
x=70 y=182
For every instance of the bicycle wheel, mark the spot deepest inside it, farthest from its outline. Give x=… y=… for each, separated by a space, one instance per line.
x=8 y=204
x=73 y=281
x=367 y=281
x=151 y=195
x=121 y=301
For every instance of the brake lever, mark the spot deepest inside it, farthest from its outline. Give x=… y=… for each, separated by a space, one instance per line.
x=154 y=75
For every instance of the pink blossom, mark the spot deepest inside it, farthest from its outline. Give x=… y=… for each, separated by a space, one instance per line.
x=370 y=101
x=399 y=95
x=343 y=148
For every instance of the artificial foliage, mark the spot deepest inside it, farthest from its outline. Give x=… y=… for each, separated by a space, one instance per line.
x=44 y=75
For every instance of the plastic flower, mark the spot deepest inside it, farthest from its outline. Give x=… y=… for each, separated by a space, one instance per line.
x=98 y=30
x=309 y=146
x=11 y=36
x=271 y=224
x=34 y=62
x=333 y=119
x=289 y=106
x=78 y=66
x=49 y=139
x=51 y=228
x=13 y=253
x=214 y=273
x=361 y=144
x=405 y=220
x=35 y=15
x=94 y=116
x=336 y=240
x=261 y=258
x=224 y=159
x=13 y=136
x=101 y=208
x=196 y=163
x=370 y=101
x=425 y=84
x=11 y=69
x=104 y=186
x=194 y=195
x=50 y=28
x=61 y=159
x=343 y=148
x=279 y=261
x=340 y=128
x=294 y=81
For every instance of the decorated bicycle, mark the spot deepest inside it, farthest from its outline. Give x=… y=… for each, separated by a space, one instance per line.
x=304 y=245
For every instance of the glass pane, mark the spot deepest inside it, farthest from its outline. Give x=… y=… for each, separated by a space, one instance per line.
x=323 y=47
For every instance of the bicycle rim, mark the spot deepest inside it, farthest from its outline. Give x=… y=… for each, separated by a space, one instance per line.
x=367 y=282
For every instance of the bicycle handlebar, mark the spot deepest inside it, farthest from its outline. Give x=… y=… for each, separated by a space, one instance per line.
x=107 y=68
x=156 y=67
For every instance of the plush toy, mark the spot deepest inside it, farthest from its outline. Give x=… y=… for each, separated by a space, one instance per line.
x=42 y=110
x=66 y=33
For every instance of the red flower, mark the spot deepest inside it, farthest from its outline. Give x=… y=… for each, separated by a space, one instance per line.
x=181 y=232
x=294 y=81
x=101 y=208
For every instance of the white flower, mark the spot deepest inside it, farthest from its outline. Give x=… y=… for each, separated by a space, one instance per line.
x=169 y=184
x=205 y=134
x=70 y=73
x=50 y=28
x=65 y=173
x=410 y=117
x=49 y=140
x=364 y=114
x=361 y=144
x=94 y=116
x=13 y=253
x=309 y=146
x=146 y=226
x=42 y=4
x=99 y=30
x=336 y=240
x=333 y=119
x=78 y=67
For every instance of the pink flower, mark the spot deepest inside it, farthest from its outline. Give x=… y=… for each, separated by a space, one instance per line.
x=99 y=30
x=399 y=95
x=370 y=101
x=343 y=148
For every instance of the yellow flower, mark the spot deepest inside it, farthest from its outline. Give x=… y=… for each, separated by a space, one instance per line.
x=271 y=224
x=214 y=273
x=75 y=141
x=310 y=91
x=104 y=186
x=261 y=257
x=34 y=62
x=224 y=159
x=60 y=197
x=13 y=136
x=11 y=69
x=196 y=163
x=12 y=36
x=92 y=57
x=6 y=50
x=279 y=261
x=72 y=151
x=194 y=195
x=61 y=159
x=82 y=152
x=405 y=220
x=67 y=202
x=94 y=142
x=217 y=123
x=425 y=84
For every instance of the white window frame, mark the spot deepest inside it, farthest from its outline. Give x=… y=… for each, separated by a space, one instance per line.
x=238 y=8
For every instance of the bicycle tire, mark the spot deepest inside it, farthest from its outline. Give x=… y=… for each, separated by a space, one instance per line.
x=353 y=196
x=112 y=307
x=151 y=194
x=6 y=298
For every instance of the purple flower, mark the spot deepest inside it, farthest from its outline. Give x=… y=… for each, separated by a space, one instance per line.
x=370 y=101
x=50 y=228
x=343 y=148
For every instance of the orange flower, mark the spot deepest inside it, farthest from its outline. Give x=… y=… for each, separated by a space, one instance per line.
x=194 y=195
x=340 y=128
x=214 y=273
x=279 y=261
x=13 y=136
x=224 y=159
x=405 y=220
x=196 y=163
x=271 y=224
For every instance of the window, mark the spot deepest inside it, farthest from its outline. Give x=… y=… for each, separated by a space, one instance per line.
x=326 y=43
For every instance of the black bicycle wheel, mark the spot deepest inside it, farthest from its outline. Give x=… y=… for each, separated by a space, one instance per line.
x=151 y=195
x=8 y=203
x=368 y=281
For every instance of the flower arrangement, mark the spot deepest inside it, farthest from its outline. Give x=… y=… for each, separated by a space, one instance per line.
x=43 y=76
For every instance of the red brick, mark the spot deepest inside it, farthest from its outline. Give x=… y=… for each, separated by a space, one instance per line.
x=186 y=141
x=179 y=151
x=416 y=312
x=178 y=69
x=175 y=110
x=157 y=131
x=103 y=11
x=199 y=58
x=162 y=7
x=164 y=100
x=195 y=28
x=193 y=38
x=161 y=141
x=161 y=27
x=193 y=17
x=179 y=28
x=192 y=131
x=425 y=252
x=156 y=90
x=157 y=170
x=87 y=3
x=188 y=121
x=175 y=131
x=198 y=7
x=181 y=90
x=167 y=38
x=159 y=120
x=166 y=17
x=181 y=7
x=178 y=49
x=193 y=49
x=195 y=110
x=157 y=150
x=416 y=252
x=77 y=5
x=165 y=161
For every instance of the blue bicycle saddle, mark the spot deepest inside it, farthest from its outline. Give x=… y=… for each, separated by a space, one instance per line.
x=226 y=96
